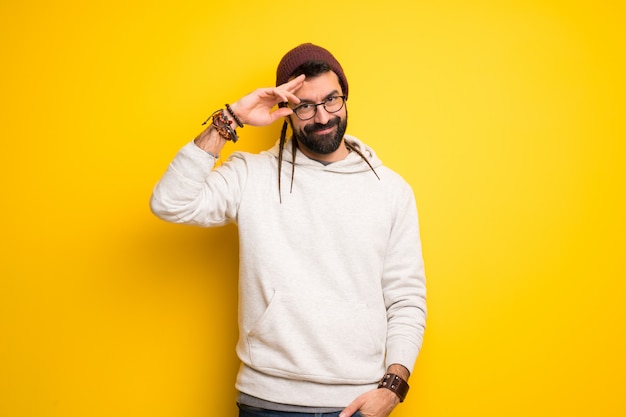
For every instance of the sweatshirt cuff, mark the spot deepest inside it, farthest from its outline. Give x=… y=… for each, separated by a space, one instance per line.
x=193 y=163
x=405 y=356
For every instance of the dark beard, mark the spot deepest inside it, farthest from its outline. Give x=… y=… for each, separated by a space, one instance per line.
x=321 y=144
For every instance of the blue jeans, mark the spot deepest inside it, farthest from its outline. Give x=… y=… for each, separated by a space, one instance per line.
x=247 y=411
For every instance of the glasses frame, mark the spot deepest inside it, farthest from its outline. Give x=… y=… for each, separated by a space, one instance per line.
x=315 y=106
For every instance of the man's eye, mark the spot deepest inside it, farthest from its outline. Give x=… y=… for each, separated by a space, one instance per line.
x=331 y=100
x=305 y=106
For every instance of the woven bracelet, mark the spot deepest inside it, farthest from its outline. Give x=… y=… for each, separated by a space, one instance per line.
x=222 y=125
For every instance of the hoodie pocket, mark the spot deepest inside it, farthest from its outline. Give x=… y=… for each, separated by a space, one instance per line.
x=320 y=339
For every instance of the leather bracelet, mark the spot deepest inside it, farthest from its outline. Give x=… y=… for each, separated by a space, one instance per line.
x=396 y=384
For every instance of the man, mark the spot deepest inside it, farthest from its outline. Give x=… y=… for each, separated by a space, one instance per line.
x=332 y=291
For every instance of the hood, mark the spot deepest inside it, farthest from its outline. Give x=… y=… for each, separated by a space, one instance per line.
x=353 y=163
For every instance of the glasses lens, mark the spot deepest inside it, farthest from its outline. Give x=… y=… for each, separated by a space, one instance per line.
x=333 y=104
x=305 y=111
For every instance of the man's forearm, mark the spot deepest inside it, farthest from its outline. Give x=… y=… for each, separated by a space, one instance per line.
x=399 y=370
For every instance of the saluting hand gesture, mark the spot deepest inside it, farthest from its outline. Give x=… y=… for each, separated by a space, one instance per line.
x=255 y=109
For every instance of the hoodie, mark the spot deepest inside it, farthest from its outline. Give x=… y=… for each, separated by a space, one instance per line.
x=331 y=278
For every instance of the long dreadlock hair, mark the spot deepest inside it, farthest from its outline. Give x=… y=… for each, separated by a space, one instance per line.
x=310 y=69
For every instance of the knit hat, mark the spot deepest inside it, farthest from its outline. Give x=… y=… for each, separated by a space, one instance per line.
x=308 y=52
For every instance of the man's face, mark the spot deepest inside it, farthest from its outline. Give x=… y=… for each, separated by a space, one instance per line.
x=322 y=134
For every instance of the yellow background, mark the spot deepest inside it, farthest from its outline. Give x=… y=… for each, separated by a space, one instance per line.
x=506 y=117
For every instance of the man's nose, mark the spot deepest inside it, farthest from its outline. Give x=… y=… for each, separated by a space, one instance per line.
x=321 y=115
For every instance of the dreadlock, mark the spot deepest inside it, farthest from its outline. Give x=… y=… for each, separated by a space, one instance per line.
x=283 y=137
x=294 y=147
x=310 y=69
x=358 y=152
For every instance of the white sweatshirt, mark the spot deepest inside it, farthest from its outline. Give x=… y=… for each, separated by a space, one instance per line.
x=331 y=287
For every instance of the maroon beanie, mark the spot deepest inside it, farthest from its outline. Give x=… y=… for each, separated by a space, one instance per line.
x=308 y=52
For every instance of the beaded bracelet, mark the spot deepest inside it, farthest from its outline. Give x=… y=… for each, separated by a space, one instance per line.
x=237 y=119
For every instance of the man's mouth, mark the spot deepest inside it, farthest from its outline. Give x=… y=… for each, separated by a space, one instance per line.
x=324 y=129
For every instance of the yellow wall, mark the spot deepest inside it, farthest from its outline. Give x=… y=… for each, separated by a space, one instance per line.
x=506 y=117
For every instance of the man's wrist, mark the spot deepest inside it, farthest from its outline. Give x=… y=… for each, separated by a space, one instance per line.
x=232 y=115
x=210 y=141
x=395 y=384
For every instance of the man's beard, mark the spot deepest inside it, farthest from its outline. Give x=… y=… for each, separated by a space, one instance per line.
x=321 y=144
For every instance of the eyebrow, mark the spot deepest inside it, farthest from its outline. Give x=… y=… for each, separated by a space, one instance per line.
x=331 y=94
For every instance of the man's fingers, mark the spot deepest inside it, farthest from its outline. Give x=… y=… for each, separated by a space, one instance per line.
x=276 y=95
x=352 y=408
x=293 y=85
x=281 y=112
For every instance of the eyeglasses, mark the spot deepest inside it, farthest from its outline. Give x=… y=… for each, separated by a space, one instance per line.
x=306 y=111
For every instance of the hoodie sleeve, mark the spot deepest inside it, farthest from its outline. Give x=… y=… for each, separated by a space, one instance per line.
x=192 y=192
x=404 y=285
